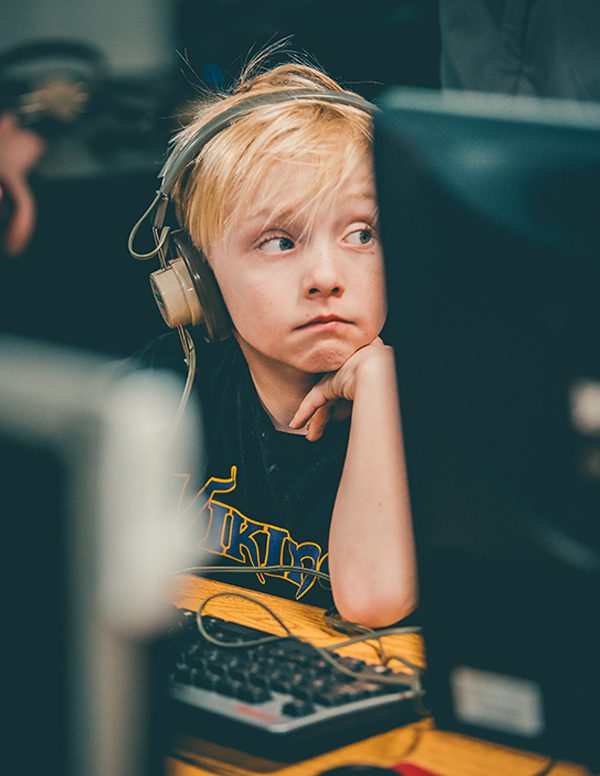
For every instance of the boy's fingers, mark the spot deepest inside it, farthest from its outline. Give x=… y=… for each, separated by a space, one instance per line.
x=314 y=399
x=318 y=422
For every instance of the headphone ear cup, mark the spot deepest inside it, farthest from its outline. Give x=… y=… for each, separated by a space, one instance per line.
x=175 y=295
x=215 y=315
x=187 y=292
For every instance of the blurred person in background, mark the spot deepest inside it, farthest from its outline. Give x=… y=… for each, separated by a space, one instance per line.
x=542 y=48
x=20 y=150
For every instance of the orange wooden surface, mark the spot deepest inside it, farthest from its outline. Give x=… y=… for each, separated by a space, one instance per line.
x=447 y=754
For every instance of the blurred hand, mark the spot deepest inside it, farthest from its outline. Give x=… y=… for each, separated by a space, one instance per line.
x=20 y=150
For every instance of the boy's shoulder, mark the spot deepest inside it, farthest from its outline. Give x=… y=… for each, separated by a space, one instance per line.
x=166 y=352
x=163 y=352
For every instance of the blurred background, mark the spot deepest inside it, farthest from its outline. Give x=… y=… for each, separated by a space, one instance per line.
x=101 y=84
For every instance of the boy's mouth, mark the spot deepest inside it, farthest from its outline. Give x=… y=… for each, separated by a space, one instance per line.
x=323 y=320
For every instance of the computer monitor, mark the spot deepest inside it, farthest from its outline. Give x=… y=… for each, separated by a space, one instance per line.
x=90 y=537
x=490 y=223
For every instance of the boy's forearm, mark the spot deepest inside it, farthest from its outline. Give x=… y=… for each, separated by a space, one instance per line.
x=371 y=541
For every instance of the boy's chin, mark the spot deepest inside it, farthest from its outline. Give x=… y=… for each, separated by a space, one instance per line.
x=329 y=360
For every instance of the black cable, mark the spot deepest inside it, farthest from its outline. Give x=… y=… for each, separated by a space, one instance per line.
x=410 y=749
x=547 y=767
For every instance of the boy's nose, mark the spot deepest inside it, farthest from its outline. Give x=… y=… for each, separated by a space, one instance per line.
x=323 y=276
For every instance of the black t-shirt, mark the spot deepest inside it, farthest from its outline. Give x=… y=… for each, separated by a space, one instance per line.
x=267 y=496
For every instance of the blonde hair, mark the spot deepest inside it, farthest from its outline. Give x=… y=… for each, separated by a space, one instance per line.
x=326 y=140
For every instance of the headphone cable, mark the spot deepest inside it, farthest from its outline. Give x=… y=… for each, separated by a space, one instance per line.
x=190 y=359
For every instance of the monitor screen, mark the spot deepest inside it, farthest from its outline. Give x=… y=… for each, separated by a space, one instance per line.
x=91 y=535
x=491 y=237
x=34 y=602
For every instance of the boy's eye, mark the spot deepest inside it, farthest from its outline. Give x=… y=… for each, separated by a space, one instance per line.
x=277 y=245
x=360 y=236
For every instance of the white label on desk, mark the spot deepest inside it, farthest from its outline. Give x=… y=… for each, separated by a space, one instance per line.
x=503 y=703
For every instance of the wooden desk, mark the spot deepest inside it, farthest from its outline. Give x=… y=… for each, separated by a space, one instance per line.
x=447 y=754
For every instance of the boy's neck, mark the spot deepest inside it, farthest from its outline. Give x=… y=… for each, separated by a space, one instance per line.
x=280 y=389
x=280 y=398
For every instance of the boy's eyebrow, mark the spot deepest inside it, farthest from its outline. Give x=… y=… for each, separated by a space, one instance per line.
x=289 y=214
x=266 y=213
x=363 y=193
x=368 y=196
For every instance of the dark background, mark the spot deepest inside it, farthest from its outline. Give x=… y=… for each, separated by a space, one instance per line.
x=76 y=283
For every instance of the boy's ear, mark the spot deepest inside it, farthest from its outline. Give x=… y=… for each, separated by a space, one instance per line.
x=187 y=292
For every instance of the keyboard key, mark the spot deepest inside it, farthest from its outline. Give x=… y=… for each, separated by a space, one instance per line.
x=303 y=692
x=321 y=666
x=312 y=688
x=377 y=670
x=228 y=687
x=368 y=689
x=327 y=698
x=182 y=675
x=239 y=673
x=340 y=677
x=259 y=681
x=207 y=681
x=281 y=683
x=298 y=708
x=351 y=664
x=197 y=660
x=252 y=694
x=348 y=694
x=267 y=663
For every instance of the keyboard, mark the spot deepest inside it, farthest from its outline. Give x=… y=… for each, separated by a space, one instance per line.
x=283 y=692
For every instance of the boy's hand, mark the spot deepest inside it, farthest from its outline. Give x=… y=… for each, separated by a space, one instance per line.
x=334 y=393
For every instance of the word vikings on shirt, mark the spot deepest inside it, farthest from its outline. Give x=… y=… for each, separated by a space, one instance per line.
x=225 y=531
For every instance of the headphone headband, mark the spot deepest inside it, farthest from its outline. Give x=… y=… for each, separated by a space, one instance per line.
x=175 y=162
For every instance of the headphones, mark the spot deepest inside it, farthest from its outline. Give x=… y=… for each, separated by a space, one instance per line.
x=185 y=288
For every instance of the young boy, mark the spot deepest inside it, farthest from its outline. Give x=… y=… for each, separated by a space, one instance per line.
x=302 y=428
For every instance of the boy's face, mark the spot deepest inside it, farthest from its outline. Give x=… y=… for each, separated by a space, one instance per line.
x=303 y=299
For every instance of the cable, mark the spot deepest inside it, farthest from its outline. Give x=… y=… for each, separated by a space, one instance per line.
x=410 y=749
x=378 y=634
x=401 y=630
x=259 y=571
x=547 y=767
x=252 y=570
x=415 y=683
x=190 y=359
x=364 y=632
x=367 y=633
x=337 y=623
x=161 y=241
x=249 y=642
